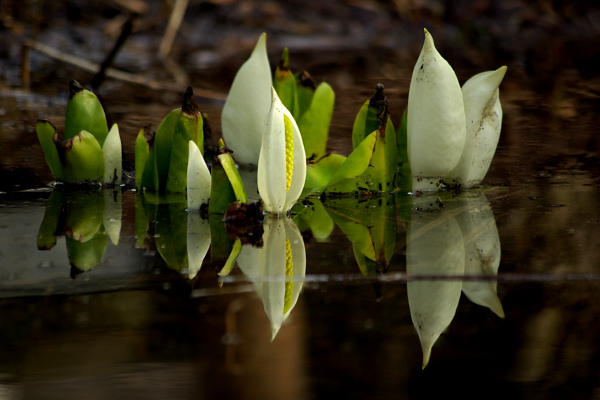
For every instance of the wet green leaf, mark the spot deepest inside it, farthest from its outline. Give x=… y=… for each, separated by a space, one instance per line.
x=305 y=90
x=284 y=83
x=345 y=180
x=314 y=123
x=46 y=133
x=320 y=173
x=220 y=184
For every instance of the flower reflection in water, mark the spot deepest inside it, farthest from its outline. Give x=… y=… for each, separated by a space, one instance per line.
x=277 y=269
x=454 y=239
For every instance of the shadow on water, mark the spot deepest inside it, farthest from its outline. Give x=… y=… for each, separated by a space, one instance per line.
x=495 y=290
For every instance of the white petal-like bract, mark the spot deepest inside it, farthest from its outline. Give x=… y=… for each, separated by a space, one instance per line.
x=247 y=104
x=111 y=150
x=198 y=179
x=435 y=119
x=271 y=174
x=483 y=114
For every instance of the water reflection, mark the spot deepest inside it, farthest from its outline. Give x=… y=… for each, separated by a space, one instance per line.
x=370 y=224
x=277 y=269
x=182 y=238
x=87 y=218
x=447 y=238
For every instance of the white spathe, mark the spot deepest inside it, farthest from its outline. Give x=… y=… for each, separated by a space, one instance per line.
x=435 y=119
x=112 y=152
x=271 y=174
x=247 y=104
x=483 y=114
x=198 y=179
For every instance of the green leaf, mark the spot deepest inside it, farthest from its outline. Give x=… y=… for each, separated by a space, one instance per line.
x=305 y=90
x=402 y=136
x=47 y=136
x=320 y=173
x=345 y=180
x=222 y=193
x=186 y=129
x=233 y=175
x=150 y=175
x=314 y=123
x=284 y=83
x=374 y=116
x=84 y=113
x=171 y=144
x=163 y=143
x=404 y=176
x=142 y=152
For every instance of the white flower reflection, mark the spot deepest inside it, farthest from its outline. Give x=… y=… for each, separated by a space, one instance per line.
x=277 y=269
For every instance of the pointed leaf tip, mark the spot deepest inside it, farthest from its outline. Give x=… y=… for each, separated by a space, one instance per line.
x=74 y=88
x=190 y=106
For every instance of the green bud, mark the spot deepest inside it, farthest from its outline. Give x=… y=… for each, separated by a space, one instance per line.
x=84 y=113
x=82 y=158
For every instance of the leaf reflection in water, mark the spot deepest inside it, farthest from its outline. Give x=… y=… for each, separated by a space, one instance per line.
x=87 y=217
x=182 y=237
x=457 y=237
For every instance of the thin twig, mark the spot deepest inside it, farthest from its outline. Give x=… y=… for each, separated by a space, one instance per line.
x=113 y=73
x=172 y=27
x=125 y=32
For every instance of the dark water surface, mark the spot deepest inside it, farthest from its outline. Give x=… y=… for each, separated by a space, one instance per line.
x=518 y=314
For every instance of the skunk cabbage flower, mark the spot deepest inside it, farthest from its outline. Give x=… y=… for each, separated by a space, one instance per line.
x=89 y=151
x=436 y=119
x=282 y=162
x=248 y=101
x=484 y=120
x=277 y=269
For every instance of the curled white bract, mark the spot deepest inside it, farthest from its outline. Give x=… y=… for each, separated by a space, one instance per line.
x=483 y=114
